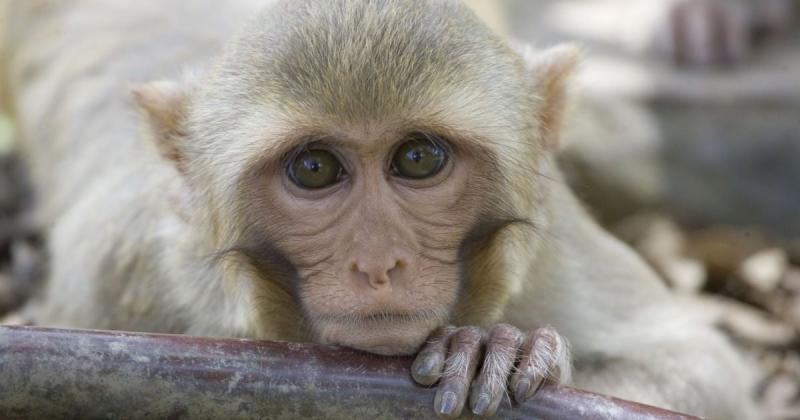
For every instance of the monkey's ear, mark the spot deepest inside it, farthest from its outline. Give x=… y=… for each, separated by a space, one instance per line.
x=164 y=107
x=551 y=71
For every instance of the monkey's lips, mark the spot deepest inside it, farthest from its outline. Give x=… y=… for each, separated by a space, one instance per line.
x=380 y=333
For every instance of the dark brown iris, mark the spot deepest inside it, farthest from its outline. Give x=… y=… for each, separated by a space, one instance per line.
x=419 y=158
x=315 y=169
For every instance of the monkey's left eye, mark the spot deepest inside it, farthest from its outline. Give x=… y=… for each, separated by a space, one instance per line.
x=315 y=169
x=419 y=158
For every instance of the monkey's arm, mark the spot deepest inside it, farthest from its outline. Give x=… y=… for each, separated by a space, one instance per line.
x=629 y=337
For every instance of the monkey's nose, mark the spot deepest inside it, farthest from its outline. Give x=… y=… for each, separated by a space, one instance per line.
x=379 y=273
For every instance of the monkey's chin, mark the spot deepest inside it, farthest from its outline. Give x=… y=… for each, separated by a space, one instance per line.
x=384 y=338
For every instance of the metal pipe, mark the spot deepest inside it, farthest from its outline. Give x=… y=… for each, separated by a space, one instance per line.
x=51 y=373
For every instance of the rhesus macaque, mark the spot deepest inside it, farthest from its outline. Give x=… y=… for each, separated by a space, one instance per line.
x=703 y=32
x=374 y=174
x=686 y=32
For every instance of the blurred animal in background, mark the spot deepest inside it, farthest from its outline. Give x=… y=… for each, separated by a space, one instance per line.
x=685 y=32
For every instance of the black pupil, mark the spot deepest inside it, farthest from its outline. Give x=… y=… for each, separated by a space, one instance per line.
x=314 y=169
x=418 y=158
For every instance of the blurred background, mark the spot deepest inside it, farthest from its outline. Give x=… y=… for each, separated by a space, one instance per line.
x=684 y=141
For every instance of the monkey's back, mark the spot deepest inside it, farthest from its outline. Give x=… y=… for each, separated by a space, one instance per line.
x=69 y=68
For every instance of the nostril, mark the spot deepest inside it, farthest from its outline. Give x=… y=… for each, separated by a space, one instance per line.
x=398 y=265
x=376 y=274
x=396 y=272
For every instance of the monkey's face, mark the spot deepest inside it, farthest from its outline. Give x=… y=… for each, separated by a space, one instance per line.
x=374 y=221
x=366 y=159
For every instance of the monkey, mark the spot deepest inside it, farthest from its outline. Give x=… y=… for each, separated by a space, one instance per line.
x=687 y=33
x=717 y=32
x=374 y=174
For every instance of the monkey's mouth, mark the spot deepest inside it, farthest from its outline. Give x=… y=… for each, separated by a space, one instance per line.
x=382 y=317
x=386 y=333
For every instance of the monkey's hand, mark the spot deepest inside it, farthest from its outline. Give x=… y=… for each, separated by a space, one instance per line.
x=453 y=356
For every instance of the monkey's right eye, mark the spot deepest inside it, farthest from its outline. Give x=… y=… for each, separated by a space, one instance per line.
x=315 y=169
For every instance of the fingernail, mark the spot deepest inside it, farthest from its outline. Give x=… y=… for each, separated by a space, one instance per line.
x=482 y=405
x=423 y=367
x=521 y=393
x=447 y=404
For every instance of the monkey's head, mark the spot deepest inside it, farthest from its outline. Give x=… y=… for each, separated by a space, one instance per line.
x=376 y=166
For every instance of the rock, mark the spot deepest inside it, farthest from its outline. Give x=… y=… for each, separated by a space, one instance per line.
x=744 y=322
x=662 y=243
x=791 y=281
x=780 y=393
x=764 y=270
x=722 y=249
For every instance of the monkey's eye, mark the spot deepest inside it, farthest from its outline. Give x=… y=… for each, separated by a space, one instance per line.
x=315 y=169
x=419 y=158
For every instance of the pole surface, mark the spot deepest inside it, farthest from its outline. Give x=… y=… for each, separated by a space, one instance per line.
x=51 y=373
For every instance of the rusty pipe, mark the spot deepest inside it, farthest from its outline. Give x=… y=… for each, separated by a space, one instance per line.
x=51 y=373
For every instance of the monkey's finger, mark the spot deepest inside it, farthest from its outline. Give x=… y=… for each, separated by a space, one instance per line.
x=429 y=363
x=544 y=355
x=465 y=349
x=501 y=353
